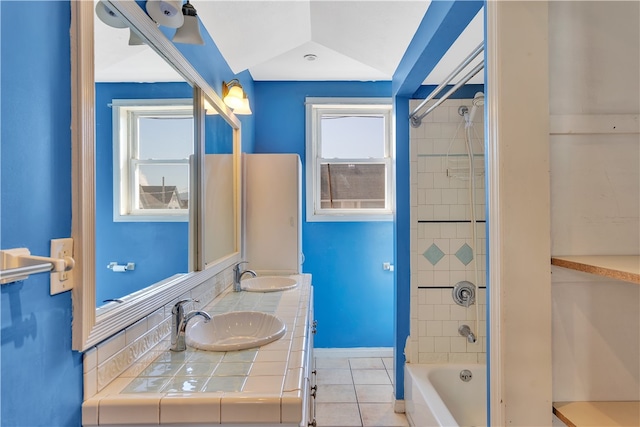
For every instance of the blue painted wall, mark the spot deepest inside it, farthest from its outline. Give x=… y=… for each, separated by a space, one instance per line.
x=353 y=295
x=159 y=249
x=41 y=376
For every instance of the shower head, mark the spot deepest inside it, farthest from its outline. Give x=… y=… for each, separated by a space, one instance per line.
x=478 y=99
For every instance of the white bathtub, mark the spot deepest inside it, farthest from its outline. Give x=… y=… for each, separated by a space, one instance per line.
x=436 y=396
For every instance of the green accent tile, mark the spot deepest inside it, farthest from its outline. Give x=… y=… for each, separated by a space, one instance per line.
x=161 y=370
x=146 y=385
x=192 y=369
x=202 y=356
x=465 y=254
x=184 y=384
x=172 y=357
x=225 y=384
x=433 y=254
x=240 y=356
x=232 y=369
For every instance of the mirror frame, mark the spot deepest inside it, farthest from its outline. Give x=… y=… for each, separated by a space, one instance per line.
x=88 y=327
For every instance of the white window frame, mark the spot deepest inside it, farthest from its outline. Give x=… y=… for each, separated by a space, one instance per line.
x=315 y=108
x=125 y=113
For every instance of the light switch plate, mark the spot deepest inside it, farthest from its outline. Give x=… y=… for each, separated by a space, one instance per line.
x=61 y=281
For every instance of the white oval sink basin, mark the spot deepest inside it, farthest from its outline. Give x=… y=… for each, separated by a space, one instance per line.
x=268 y=284
x=236 y=330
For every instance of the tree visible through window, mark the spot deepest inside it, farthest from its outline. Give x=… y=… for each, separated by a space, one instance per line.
x=349 y=172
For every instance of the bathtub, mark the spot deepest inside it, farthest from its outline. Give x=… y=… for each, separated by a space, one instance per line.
x=435 y=395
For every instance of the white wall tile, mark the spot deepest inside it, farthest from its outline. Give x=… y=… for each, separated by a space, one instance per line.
x=135 y=331
x=442 y=344
x=434 y=328
x=108 y=348
x=438 y=144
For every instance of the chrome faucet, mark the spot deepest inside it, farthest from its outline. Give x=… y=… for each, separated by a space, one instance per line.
x=237 y=275
x=465 y=331
x=179 y=322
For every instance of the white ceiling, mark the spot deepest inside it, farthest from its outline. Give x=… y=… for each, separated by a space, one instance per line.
x=359 y=40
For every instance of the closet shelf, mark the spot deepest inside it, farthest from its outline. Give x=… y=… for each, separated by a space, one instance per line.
x=621 y=267
x=600 y=414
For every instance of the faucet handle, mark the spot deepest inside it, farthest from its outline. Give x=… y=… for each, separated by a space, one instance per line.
x=236 y=266
x=178 y=306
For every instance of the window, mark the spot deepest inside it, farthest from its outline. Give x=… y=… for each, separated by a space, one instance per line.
x=153 y=142
x=349 y=159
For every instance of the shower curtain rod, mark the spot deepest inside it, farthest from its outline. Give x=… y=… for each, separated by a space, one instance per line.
x=415 y=119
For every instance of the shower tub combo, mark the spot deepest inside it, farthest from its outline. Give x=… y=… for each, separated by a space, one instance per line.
x=447 y=395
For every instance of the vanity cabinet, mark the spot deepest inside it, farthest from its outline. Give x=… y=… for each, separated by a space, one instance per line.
x=269 y=386
x=594 y=106
x=311 y=370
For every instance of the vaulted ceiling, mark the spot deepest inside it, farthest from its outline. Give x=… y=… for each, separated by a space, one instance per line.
x=359 y=40
x=350 y=39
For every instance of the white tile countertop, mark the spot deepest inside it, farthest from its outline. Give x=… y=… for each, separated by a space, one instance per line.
x=264 y=385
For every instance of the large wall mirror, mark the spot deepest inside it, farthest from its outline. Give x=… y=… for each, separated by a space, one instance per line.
x=156 y=173
x=220 y=168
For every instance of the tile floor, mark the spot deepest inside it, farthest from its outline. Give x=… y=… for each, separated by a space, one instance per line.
x=356 y=392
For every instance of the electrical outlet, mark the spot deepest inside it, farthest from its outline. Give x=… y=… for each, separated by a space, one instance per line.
x=61 y=281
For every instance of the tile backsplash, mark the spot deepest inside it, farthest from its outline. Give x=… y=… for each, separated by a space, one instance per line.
x=109 y=359
x=442 y=243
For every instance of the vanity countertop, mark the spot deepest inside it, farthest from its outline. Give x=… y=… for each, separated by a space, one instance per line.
x=264 y=385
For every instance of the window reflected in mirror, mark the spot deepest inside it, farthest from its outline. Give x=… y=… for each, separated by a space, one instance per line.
x=152 y=146
x=144 y=139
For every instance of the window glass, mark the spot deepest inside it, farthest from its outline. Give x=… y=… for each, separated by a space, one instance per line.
x=352 y=137
x=162 y=137
x=154 y=140
x=349 y=165
x=352 y=186
x=162 y=186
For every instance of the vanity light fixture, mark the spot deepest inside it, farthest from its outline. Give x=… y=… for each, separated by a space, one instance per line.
x=108 y=16
x=244 y=109
x=135 y=39
x=166 y=12
x=234 y=97
x=189 y=32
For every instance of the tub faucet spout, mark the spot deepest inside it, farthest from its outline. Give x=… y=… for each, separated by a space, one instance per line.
x=465 y=331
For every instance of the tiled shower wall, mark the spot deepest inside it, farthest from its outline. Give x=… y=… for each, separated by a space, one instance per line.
x=441 y=236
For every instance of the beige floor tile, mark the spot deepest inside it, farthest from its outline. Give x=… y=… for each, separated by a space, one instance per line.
x=332 y=362
x=334 y=376
x=374 y=393
x=337 y=415
x=370 y=376
x=336 y=393
x=366 y=363
x=388 y=363
x=381 y=415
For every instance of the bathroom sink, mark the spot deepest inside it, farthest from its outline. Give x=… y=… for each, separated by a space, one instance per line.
x=236 y=330
x=268 y=284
